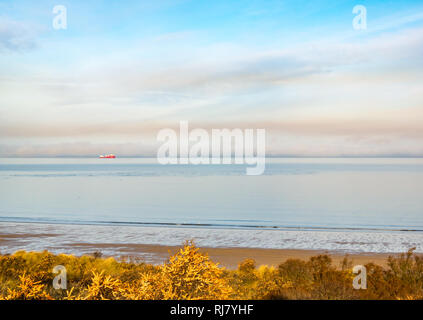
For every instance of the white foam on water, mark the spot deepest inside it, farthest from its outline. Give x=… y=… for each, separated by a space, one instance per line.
x=61 y=238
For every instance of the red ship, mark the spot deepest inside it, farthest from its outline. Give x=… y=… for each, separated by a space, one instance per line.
x=108 y=156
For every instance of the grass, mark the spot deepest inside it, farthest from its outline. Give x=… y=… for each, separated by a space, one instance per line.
x=191 y=275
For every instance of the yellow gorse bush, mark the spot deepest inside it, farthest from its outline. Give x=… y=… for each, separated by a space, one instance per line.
x=103 y=287
x=28 y=289
x=190 y=274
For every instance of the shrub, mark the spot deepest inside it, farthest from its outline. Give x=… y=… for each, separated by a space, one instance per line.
x=28 y=289
x=190 y=274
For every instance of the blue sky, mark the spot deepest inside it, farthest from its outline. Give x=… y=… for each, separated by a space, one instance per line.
x=123 y=70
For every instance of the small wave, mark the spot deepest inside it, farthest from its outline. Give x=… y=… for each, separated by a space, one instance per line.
x=205 y=225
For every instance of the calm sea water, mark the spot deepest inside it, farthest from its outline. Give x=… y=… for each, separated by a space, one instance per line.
x=302 y=195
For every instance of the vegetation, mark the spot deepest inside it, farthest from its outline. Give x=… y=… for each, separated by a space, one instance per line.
x=190 y=274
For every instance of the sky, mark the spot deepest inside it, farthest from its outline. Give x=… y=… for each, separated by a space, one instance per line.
x=123 y=70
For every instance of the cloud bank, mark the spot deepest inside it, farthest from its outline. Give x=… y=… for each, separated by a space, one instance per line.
x=335 y=95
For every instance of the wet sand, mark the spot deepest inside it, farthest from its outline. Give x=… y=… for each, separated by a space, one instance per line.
x=230 y=257
x=227 y=257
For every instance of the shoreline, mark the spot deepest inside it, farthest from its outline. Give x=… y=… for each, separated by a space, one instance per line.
x=153 y=245
x=228 y=257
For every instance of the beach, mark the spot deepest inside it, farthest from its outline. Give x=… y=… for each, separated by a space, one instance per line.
x=231 y=257
x=228 y=257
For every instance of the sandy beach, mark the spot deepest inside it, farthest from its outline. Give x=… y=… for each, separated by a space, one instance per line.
x=230 y=257
x=227 y=257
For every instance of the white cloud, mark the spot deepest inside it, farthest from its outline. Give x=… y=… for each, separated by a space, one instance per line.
x=332 y=94
x=16 y=36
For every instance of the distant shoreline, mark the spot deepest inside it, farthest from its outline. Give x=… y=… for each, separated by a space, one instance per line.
x=95 y=156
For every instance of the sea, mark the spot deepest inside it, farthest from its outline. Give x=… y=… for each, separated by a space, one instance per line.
x=351 y=205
